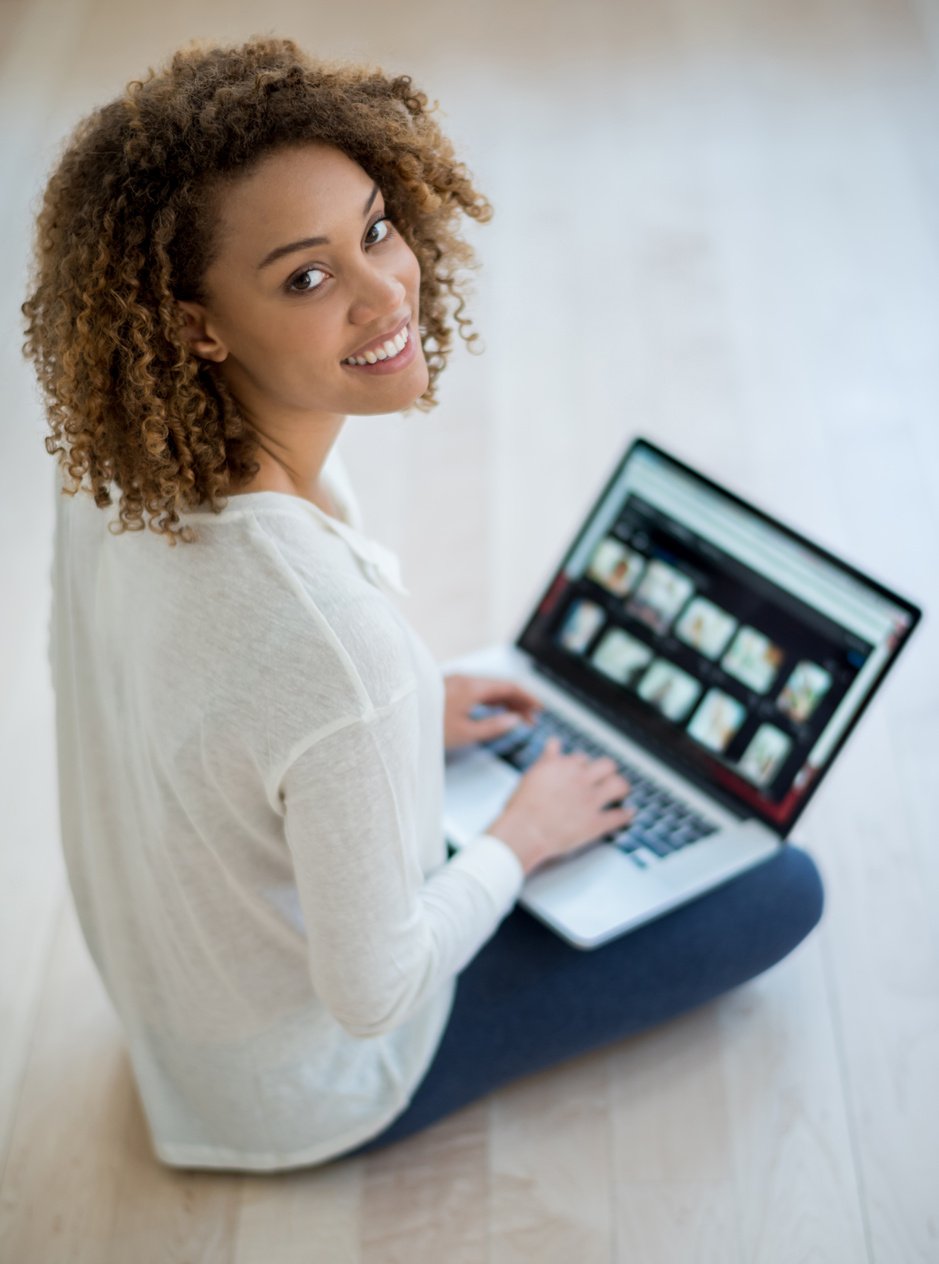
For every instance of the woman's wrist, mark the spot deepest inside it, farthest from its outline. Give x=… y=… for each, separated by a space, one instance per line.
x=521 y=838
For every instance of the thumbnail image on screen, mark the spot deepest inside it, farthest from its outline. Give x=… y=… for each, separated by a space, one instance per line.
x=583 y=620
x=615 y=566
x=716 y=720
x=763 y=757
x=753 y=659
x=705 y=627
x=620 y=656
x=662 y=592
x=803 y=691
x=669 y=689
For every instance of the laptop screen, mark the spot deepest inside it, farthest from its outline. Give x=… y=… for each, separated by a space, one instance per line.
x=731 y=646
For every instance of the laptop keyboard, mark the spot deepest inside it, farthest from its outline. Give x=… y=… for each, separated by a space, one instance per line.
x=663 y=823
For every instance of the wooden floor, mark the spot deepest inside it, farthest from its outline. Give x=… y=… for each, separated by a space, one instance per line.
x=717 y=224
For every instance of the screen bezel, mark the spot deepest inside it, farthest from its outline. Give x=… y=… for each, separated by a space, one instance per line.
x=655 y=735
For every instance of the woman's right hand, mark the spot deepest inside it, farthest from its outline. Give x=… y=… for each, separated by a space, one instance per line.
x=560 y=804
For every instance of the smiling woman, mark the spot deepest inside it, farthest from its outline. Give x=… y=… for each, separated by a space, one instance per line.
x=304 y=332
x=234 y=256
x=218 y=251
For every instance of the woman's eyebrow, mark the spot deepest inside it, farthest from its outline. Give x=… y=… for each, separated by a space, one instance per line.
x=309 y=241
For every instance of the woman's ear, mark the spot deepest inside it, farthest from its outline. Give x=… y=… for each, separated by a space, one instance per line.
x=195 y=328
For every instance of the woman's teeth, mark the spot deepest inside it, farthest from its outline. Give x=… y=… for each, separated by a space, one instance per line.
x=387 y=351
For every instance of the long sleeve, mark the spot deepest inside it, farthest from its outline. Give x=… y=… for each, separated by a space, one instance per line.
x=382 y=935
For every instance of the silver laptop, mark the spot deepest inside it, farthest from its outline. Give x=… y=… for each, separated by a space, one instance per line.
x=719 y=657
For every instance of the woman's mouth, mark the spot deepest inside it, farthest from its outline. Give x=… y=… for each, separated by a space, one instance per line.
x=391 y=356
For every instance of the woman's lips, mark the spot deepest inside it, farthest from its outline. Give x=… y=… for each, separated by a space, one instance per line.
x=400 y=361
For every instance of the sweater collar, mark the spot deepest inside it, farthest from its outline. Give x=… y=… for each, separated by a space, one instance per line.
x=379 y=564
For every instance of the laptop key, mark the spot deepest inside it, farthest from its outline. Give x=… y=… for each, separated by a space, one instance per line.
x=658 y=844
x=658 y=801
x=639 y=804
x=642 y=858
x=681 y=837
x=643 y=821
x=669 y=821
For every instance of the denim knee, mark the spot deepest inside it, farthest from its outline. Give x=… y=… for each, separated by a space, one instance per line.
x=805 y=892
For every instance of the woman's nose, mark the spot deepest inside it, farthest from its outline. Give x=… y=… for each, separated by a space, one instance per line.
x=379 y=292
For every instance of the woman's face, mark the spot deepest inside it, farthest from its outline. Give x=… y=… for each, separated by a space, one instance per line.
x=284 y=312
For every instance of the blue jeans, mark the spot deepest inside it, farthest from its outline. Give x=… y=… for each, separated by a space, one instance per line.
x=528 y=1000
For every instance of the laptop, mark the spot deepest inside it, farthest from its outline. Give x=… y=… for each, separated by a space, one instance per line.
x=717 y=655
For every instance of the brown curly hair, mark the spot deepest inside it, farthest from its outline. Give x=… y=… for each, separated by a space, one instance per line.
x=127 y=227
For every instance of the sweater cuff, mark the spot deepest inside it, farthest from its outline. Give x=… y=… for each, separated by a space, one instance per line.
x=495 y=866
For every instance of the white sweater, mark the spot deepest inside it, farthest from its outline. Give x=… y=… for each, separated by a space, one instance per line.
x=250 y=761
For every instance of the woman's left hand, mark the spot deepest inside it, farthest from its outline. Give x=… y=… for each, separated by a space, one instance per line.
x=463 y=693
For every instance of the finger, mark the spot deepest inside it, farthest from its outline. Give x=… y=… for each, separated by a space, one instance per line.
x=507 y=693
x=616 y=784
x=601 y=768
x=617 y=818
x=493 y=688
x=605 y=772
x=515 y=693
x=495 y=726
x=527 y=702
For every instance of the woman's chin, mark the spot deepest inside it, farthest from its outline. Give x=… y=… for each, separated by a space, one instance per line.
x=412 y=389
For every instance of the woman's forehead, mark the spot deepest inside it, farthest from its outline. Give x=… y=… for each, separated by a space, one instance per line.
x=310 y=189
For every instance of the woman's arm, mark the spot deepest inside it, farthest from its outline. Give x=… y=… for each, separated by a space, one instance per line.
x=382 y=937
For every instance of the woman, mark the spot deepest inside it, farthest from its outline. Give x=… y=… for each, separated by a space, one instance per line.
x=237 y=254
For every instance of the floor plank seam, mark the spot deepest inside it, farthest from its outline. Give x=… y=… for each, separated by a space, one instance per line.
x=847 y=1094
x=55 y=923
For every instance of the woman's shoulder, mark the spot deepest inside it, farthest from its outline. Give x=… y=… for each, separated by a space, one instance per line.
x=302 y=617
x=267 y=612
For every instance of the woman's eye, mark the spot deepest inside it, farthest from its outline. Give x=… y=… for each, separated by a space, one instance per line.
x=296 y=285
x=384 y=220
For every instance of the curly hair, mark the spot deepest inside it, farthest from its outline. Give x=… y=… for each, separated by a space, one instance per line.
x=127 y=227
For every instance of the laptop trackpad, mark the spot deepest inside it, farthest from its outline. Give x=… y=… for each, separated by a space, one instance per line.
x=584 y=895
x=590 y=895
x=476 y=789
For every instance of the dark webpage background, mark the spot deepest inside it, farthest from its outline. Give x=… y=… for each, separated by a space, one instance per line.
x=801 y=632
